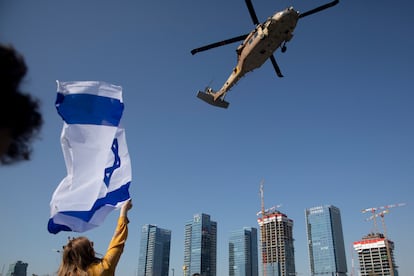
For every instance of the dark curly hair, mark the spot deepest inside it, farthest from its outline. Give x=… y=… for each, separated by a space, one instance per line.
x=19 y=112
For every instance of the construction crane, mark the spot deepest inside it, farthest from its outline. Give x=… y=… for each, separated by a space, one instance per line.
x=264 y=213
x=263 y=228
x=381 y=214
x=373 y=211
x=385 y=210
x=269 y=210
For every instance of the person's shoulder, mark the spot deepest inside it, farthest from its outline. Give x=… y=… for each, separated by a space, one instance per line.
x=104 y=266
x=97 y=268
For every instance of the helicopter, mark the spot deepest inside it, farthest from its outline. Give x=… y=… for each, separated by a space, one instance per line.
x=257 y=47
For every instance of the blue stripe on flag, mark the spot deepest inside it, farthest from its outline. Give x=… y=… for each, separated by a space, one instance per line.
x=111 y=198
x=89 y=109
x=56 y=228
x=117 y=163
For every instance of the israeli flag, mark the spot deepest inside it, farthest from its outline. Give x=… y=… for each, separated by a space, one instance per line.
x=96 y=156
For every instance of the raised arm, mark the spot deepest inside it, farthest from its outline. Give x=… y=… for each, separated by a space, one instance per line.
x=116 y=246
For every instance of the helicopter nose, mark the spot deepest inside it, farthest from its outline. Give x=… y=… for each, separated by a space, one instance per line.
x=291 y=10
x=287 y=12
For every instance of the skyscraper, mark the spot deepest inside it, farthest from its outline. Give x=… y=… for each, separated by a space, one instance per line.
x=276 y=240
x=243 y=258
x=200 y=246
x=376 y=255
x=325 y=241
x=17 y=269
x=154 y=254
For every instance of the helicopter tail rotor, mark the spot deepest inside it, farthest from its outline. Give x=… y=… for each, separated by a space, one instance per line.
x=318 y=9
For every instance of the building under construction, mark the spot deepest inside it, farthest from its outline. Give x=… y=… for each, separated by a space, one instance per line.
x=276 y=239
x=376 y=256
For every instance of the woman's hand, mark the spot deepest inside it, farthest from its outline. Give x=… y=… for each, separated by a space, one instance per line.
x=125 y=208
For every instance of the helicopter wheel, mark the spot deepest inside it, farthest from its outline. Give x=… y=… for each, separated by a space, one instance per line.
x=284 y=47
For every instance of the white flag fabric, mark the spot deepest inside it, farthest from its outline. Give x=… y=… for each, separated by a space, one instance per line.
x=96 y=156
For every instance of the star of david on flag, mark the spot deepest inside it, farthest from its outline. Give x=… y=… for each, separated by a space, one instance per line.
x=95 y=153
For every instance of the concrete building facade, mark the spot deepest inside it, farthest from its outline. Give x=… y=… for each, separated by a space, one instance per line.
x=376 y=256
x=276 y=244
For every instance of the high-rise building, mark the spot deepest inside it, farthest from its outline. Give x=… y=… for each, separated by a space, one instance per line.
x=276 y=241
x=200 y=246
x=154 y=254
x=17 y=269
x=325 y=241
x=243 y=258
x=376 y=255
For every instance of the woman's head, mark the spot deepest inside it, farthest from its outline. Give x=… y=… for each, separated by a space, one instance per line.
x=78 y=255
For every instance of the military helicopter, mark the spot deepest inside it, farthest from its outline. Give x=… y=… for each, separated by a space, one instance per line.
x=257 y=46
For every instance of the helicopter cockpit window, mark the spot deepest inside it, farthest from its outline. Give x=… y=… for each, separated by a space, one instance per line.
x=254 y=36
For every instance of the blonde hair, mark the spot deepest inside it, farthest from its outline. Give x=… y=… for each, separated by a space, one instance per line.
x=77 y=256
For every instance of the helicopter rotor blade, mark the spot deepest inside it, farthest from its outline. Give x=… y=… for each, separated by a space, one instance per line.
x=320 y=8
x=218 y=44
x=252 y=12
x=276 y=66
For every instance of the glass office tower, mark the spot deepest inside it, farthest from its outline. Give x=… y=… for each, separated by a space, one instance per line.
x=17 y=269
x=200 y=246
x=325 y=241
x=243 y=258
x=154 y=253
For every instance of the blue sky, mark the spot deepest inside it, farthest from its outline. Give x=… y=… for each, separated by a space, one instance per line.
x=338 y=129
